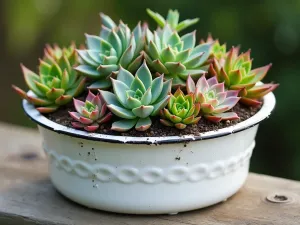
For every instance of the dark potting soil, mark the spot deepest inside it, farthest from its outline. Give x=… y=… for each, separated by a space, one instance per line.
x=62 y=117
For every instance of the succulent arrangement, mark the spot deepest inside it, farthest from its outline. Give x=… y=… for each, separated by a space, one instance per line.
x=130 y=77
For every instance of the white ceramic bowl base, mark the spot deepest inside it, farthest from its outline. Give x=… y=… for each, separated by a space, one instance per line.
x=148 y=179
x=155 y=175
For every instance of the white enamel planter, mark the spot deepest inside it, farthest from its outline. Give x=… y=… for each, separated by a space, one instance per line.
x=149 y=175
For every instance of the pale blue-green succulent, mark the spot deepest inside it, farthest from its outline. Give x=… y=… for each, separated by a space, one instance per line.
x=136 y=98
x=176 y=57
x=115 y=46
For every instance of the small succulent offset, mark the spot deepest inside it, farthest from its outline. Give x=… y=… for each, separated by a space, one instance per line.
x=217 y=51
x=57 y=82
x=181 y=111
x=176 y=57
x=236 y=73
x=116 y=46
x=136 y=98
x=214 y=100
x=90 y=113
x=172 y=20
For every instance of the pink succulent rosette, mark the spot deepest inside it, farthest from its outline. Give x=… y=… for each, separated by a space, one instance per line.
x=90 y=113
x=215 y=101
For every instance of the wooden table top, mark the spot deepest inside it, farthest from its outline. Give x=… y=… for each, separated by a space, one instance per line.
x=27 y=196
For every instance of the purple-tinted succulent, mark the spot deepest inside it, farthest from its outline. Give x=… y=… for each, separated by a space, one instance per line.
x=215 y=101
x=90 y=113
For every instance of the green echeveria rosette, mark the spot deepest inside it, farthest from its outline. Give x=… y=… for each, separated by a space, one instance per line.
x=57 y=82
x=91 y=113
x=115 y=46
x=215 y=101
x=237 y=74
x=136 y=98
x=181 y=111
x=176 y=57
x=172 y=19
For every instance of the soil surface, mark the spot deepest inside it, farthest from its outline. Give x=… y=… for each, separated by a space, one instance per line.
x=157 y=129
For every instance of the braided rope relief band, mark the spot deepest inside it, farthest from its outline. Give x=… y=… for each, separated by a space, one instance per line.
x=150 y=174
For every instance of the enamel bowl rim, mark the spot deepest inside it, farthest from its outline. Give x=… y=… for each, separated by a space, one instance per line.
x=265 y=111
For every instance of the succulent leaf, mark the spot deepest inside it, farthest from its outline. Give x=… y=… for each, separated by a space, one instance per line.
x=100 y=84
x=147 y=97
x=119 y=89
x=77 y=88
x=144 y=75
x=121 y=112
x=107 y=21
x=186 y=23
x=92 y=127
x=156 y=88
x=124 y=125
x=47 y=109
x=63 y=99
x=137 y=84
x=20 y=92
x=189 y=40
x=38 y=101
x=30 y=78
x=44 y=67
x=172 y=19
x=252 y=96
x=160 y=105
x=143 y=111
x=125 y=76
x=222 y=116
x=166 y=123
x=143 y=124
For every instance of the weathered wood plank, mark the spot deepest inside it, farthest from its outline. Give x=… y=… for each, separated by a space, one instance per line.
x=27 y=196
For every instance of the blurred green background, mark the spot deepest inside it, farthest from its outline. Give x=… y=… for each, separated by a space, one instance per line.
x=271 y=28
